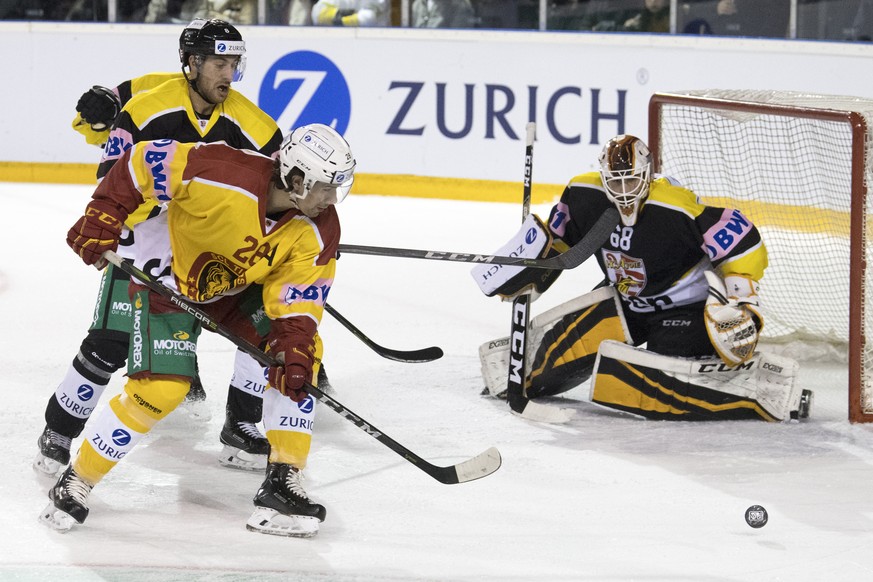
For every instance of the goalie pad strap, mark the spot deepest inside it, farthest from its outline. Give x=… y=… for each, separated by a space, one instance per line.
x=659 y=387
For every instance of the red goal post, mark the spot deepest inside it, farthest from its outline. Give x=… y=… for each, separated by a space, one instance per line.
x=800 y=167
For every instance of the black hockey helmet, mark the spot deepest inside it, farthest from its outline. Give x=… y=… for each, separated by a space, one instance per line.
x=212 y=37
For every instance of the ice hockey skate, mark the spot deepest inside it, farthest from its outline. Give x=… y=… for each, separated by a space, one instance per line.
x=68 y=505
x=282 y=507
x=195 y=401
x=245 y=448
x=54 y=453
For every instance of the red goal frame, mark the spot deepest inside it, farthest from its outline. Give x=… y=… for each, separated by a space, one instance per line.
x=858 y=376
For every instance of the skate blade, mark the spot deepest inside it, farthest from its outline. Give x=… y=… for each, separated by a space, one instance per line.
x=234 y=458
x=47 y=467
x=271 y=522
x=56 y=519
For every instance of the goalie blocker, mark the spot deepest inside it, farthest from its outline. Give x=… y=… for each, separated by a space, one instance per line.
x=591 y=335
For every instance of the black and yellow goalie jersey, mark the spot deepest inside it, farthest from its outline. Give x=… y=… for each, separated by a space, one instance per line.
x=660 y=262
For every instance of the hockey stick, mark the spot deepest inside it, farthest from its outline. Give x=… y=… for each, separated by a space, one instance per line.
x=477 y=467
x=516 y=394
x=572 y=258
x=411 y=356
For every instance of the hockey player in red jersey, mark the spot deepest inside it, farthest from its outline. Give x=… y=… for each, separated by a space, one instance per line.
x=681 y=277
x=197 y=104
x=254 y=241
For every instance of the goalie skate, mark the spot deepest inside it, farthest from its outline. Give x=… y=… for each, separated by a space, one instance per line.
x=282 y=507
x=54 y=453
x=68 y=506
x=245 y=448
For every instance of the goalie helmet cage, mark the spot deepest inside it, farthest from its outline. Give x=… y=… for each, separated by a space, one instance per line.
x=798 y=165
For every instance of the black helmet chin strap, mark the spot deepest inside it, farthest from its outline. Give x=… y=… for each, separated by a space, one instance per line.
x=193 y=85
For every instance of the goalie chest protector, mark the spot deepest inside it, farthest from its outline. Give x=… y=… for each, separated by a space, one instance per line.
x=660 y=261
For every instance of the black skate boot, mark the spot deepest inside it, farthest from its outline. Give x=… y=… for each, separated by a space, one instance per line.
x=282 y=507
x=69 y=504
x=54 y=453
x=196 y=393
x=245 y=447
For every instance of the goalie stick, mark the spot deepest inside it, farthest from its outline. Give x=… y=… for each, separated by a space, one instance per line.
x=516 y=395
x=410 y=356
x=572 y=258
x=476 y=467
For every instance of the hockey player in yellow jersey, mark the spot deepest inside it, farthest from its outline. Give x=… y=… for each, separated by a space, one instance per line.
x=98 y=107
x=680 y=277
x=196 y=105
x=254 y=241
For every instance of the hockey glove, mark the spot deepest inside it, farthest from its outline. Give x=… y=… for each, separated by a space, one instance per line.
x=732 y=318
x=98 y=231
x=99 y=107
x=291 y=341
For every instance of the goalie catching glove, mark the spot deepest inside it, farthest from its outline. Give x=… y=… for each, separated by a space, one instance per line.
x=532 y=241
x=98 y=231
x=291 y=341
x=732 y=318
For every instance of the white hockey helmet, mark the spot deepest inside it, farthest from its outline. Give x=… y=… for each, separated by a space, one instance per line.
x=626 y=171
x=322 y=154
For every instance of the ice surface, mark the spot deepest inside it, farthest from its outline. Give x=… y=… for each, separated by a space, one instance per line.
x=605 y=497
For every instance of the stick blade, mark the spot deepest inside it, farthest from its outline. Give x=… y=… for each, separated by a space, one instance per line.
x=543 y=413
x=479 y=466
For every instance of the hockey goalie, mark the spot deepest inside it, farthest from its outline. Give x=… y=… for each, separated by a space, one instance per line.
x=672 y=332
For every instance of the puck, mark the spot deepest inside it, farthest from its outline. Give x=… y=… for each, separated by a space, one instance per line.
x=756 y=516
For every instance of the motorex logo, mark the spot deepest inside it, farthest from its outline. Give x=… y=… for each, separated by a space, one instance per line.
x=306 y=87
x=85 y=392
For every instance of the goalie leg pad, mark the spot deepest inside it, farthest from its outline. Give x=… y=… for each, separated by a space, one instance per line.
x=659 y=387
x=562 y=345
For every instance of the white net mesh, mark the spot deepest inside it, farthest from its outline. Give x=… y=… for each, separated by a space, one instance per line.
x=792 y=175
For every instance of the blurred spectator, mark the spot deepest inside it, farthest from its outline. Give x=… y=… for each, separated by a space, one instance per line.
x=654 y=18
x=737 y=18
x=351 y=13
x=862 y=25
x=442 y=14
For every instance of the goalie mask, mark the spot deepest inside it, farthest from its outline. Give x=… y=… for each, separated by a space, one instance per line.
x=213 y=38
x=626 y=171
x=322 y=155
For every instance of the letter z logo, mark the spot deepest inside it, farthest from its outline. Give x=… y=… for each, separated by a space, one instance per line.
x=306 y=87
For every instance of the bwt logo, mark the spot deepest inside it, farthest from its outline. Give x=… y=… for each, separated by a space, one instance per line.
x=306 y=87
x=85 y=392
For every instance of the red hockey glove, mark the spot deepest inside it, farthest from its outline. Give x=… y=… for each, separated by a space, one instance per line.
x=292 y=342
x=96 y=232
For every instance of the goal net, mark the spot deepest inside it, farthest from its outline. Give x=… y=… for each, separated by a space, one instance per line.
x=798 y=166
